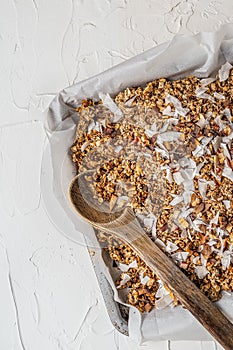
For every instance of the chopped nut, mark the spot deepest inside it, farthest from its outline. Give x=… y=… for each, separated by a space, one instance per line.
x=183 y=223
x=199 y=208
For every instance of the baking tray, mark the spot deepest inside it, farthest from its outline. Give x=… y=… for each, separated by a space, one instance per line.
x=118 y=313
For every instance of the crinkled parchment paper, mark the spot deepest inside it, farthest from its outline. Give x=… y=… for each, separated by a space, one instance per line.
x=200 y=55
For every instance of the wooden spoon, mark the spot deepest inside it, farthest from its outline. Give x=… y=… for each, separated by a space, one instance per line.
x=123 y=225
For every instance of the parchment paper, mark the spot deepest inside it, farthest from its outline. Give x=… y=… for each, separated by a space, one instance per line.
x=201 y=55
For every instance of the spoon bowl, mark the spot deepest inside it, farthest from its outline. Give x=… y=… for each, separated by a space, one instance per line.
x=82 y=197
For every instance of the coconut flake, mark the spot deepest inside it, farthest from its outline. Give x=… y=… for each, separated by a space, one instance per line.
x=227 y=171
x=196 y=259
x=152 y=131
x=154 y=229
x=178 y=178
x=98 y=127
x=199 y=151
x=205 y=140
x=209 y=115
x=224 y=71
x=220 y=232
x=177 y=104
x=168 y=136
x=117 y=149
x=176 y=200
x=112 y=202
x=216 y=142
x=125 y=279
x=214 y=221
x=227 y=114
x=202 y=122
x=130 y=101
x=227 y=204
x=148 y=222
x=207 y=97
x=161 y=292
x=164 y=153
x=226 y=259
x=111 y=105
x=125 y=267
x=201 y=93
x=195 y=224
x=184 y=162
x=198 y=169
x=226 y=151
x=202 y=186
x=163 y=296
x=186 y=212
x=221 y=249
x=187 y=194
x=163 y=302
x=143 y=279
x=221 y=124
x=189 y=234
x=171 y=247
x=219 y=96
x=103 y=122
x=172 y=121
x=201 y=271
x=160 y=243
x=180 y=256
x=168 y=172
x=167 y=111
x=227 y=139
x=217 y=177
x=207 y=81
x=94 y=126
x=212 y=242
x=84 y=146
x=91 y=126
x=188 y=186
x=164 y=127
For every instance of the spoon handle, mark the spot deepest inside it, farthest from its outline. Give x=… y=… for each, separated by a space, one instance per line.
x=186 y=291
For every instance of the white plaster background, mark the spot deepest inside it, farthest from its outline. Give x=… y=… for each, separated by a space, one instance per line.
x=49 y=297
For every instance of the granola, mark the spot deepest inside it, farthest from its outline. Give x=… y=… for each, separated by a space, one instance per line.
x=167 y=153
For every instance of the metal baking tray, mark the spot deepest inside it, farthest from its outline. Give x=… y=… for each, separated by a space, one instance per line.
x=118 y=313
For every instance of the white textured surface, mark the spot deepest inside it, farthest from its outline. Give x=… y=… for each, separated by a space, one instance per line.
x=49 y=298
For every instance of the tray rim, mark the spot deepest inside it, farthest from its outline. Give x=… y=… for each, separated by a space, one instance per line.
x=112 y=306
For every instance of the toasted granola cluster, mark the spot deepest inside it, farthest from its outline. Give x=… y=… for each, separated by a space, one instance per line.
x=166 y=150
